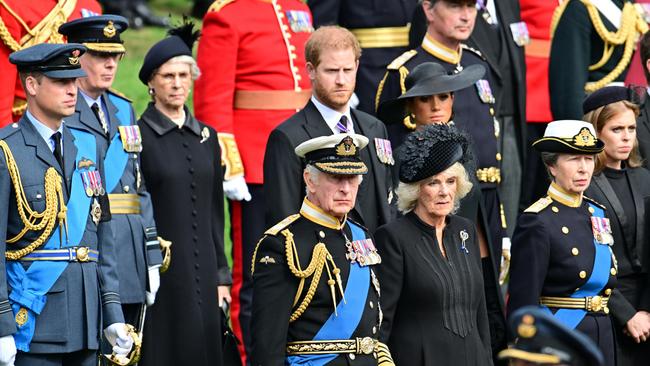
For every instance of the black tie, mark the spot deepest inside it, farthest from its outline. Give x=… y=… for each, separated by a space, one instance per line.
x=56 y=137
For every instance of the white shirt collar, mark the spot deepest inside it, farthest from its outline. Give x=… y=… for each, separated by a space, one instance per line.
x=43 y=130
x=331 y=116
x=491 y=8
x=90 y=101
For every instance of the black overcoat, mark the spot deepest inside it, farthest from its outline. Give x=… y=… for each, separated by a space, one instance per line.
x=183 y=172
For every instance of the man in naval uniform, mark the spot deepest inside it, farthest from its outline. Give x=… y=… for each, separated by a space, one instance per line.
x=316 y=269
x=588 y=50
x=110 y=118
x=58 y=277
x=449 y=24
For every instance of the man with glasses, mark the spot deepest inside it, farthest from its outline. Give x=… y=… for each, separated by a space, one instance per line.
x=111 y=119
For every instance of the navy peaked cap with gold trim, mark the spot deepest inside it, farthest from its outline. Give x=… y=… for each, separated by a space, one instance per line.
x=56 y=61
x=569 y=137
x=100 y=33
x=543 y=340
x=335 y=154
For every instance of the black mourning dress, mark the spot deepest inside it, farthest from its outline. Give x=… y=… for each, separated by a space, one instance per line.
x=434 y=307
x=182 y=168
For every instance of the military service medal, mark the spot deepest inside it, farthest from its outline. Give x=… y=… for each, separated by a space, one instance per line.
x=299 y=21
x=96 y=211
x=384 y=151
x=602 y=230
x=131 y=138
x=520 y=33
x=362 y=252
x=484 y=91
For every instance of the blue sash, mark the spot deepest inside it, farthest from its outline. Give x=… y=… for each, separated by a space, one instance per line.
x=116 y=158
x=29 y=287
x=349 y=313
x=596 y=282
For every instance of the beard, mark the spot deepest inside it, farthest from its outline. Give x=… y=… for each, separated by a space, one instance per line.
x=332 y=99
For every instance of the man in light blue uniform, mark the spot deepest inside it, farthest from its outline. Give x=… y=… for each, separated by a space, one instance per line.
x=58 y=279
x=110 y=118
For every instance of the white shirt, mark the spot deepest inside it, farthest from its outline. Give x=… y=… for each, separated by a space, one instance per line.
x=331 y=116
x=90 y=101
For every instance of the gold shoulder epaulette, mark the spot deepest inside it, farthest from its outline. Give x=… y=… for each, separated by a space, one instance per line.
x=473 y=50
x=217 y=5
x=119 y=94
x=275 y=229
x=595 y=202
x=401 y=60
x=538 y=206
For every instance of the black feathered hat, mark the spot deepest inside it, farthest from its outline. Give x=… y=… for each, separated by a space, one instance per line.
x=180 y=42
x=431 y=150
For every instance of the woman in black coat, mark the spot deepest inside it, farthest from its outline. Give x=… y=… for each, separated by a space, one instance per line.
x=620 y=183
x=182 y=167
x=432 y=282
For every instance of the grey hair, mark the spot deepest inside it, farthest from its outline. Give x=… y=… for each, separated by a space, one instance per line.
x=195 y=72
x=549 y=159
x=408 y=193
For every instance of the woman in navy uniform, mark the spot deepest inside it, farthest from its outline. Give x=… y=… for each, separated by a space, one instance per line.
x=561 y=254
x=620 y=183
x=432 y=293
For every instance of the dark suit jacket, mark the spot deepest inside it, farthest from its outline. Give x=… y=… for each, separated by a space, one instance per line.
x=643 y=131
x=284 y=187
x=629 y=251
x=507 y=13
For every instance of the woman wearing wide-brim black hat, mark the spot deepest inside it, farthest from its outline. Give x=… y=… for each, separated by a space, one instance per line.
x=561 y=249
x=429 y=95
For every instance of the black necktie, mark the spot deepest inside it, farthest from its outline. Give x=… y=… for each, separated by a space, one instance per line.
x=99 y=113
x=56 y=137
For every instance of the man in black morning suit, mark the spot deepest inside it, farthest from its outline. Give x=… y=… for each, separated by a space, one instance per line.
x=382 y=28
x=328 y=112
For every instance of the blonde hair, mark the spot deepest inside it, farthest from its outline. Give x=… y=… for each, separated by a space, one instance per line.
x=330 y=37
x=408 y=193
x=599 y=118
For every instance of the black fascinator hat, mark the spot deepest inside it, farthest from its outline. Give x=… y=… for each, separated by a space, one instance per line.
x=431 y=150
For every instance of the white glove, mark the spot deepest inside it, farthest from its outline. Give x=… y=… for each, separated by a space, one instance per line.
x=118 y=337
x=236 y=189
x=7 y=350
x=154 y=285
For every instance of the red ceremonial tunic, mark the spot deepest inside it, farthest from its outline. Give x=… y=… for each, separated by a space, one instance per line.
x=253 y=74
x=26 y=23
x=537 y=15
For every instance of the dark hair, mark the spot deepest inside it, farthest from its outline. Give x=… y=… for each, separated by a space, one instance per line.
x=35 y=74
x=645 y=54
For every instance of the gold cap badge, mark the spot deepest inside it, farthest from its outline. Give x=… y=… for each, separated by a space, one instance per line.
x=527 y=329
x=584 y=138
x=346 y=147
x=74 y=60
x=109 y=30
